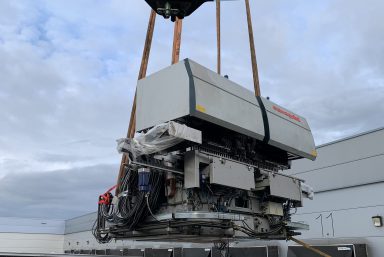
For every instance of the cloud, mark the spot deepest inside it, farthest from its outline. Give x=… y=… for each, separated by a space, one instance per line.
x=58 y=194
x=68 y=74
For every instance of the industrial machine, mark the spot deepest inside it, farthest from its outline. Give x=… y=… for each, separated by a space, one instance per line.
x=206 y=163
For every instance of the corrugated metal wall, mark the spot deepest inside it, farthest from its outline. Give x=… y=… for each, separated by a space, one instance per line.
x=348 y=179
x=31 y=235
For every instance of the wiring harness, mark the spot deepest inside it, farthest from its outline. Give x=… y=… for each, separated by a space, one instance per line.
x=130 y=207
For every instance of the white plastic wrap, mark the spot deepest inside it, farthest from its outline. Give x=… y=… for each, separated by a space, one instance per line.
x=308 y=190
x=184 y=132
x=158 y=138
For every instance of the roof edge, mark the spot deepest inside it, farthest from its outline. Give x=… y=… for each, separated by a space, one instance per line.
x=350 y=137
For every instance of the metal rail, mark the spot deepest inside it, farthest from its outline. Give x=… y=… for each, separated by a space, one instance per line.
x=156 y=167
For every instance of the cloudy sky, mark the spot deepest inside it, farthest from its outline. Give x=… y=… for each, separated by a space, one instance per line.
x=68 y=72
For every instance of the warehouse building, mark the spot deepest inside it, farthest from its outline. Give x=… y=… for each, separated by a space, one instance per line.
x=345 y=217
x=348 y=179
x=24 y=235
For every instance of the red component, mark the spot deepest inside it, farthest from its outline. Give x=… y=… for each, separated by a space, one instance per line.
x=286 y=113
x=107 y=197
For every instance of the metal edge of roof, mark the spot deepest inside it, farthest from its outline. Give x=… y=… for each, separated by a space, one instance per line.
x=31 y=218
x=77 y=217
x=350 y=137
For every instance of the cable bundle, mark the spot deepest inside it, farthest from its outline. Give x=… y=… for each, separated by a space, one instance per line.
x=132 y=205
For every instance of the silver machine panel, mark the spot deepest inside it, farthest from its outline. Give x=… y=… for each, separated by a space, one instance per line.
x=231 y=174
x=281 y=186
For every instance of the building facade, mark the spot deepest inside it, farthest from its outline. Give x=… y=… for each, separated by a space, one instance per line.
x=21 y=235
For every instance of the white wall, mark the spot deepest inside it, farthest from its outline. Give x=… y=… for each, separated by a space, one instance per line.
x=31 y=243
x=29 y=235
x=348 y=180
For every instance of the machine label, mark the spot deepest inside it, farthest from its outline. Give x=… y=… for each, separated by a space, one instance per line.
x=201 y=108
x=288 y=114
x=344 y=249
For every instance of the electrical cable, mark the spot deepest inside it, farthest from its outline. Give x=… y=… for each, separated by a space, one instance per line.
x=149 y=208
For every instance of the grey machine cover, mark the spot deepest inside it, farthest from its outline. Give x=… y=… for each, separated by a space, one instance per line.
x=189 y=89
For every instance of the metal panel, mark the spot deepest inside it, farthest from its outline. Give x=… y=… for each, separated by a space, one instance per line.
x=360 y=250
x=349 y=174
x=248 y=252
x=163 y=96
x=227 y=109
x=196 y=252
x=31 y=225
x=323 y=225
x=332 y=250
x=282 y=123
x=133 y=252
x=158 y=252
x=350 y=149
x=31 y=243
x=80 y=224
x=232 y=174
x=188 y=88
x=285 y=187
x=191 y=170
x=273 y=251
x=116 y=252
x=100 y=252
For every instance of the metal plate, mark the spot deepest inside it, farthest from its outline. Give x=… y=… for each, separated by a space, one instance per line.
x=284 y=187
x=231 y=174
x=334 y=251
x=201 y=215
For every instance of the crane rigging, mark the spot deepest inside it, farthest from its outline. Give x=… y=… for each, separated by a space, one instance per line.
x=174 y=8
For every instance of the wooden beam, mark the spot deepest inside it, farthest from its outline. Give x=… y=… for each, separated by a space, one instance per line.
x=177 y=40
x=142 y=74
x=320 y=253
x=143 y=69
x=147 y=45
x=255 y=71
x=218 y=29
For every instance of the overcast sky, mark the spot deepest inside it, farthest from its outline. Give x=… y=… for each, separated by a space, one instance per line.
x=68 y=72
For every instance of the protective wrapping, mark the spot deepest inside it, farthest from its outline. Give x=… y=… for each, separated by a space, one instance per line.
x=307 y=190
x=158 y=138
